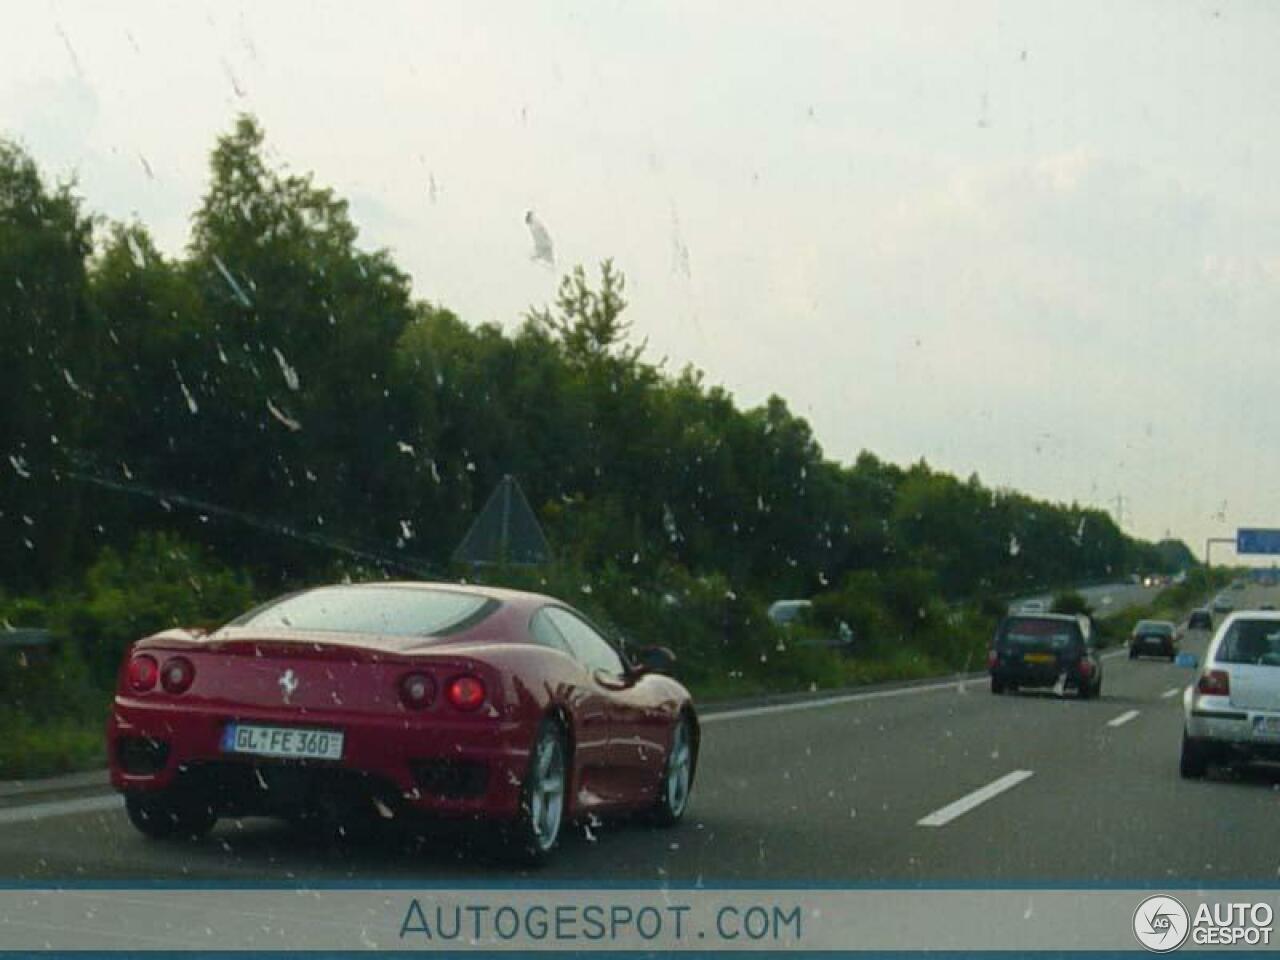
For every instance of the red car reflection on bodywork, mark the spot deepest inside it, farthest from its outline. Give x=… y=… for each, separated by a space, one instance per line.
x=358 y=701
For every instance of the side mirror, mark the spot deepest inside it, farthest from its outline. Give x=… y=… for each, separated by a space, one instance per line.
x=1189 y=660
x=656 y=660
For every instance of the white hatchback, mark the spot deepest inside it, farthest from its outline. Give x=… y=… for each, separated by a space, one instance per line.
x=1232 y=712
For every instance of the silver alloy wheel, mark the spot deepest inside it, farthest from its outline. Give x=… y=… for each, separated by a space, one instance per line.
x=546 y=791
x=679 y=769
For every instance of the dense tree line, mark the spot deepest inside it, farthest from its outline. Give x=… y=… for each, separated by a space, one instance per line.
x=279 y=371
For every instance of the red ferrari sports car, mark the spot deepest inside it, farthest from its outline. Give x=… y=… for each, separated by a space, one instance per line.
x=367 y=700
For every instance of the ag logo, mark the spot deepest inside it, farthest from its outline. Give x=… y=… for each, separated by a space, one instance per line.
x=1161 y=923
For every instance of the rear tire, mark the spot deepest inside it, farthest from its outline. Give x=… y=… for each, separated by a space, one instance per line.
x=164 y=818
x=1194 y=761
x=997 y=686
x=536 y=830
x=677 y=776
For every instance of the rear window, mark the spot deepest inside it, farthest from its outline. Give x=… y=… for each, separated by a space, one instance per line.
x=1254 y=642
x=1034 y=632
x=398 y=611
x=790 y=611
x=1147 y=628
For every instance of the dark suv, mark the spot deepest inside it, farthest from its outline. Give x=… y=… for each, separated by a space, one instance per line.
x=1043 y=650
x=1155 y=638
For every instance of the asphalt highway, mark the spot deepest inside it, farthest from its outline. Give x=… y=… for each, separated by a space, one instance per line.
x=937 y=783
x=1105 y=599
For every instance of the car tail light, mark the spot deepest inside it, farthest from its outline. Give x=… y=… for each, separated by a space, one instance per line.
x=417 y=690
x=1216 y=683
x=992 y=657
x=466 y=693
x=177 y=675
x=1085 y=668
x=143 y=673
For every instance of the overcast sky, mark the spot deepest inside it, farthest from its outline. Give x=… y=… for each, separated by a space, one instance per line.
x=1037 y=241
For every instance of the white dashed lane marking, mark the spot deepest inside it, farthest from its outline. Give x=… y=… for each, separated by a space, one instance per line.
x=944 y=815
x=1124 y=718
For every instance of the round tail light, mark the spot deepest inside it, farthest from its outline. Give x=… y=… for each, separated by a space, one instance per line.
x=417 y=690
x=466 y=693
x=143 y=673
x=177 y=675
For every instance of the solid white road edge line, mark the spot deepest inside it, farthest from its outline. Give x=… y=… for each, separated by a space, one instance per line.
x=1124 y=718
x=833 y=701
x=60 y=808
x=946 y=814
x=953 y=685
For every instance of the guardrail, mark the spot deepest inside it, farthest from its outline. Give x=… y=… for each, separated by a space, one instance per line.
x=25 y=638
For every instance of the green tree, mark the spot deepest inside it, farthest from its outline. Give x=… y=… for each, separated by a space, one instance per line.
x=589 y=321
x=47 y=348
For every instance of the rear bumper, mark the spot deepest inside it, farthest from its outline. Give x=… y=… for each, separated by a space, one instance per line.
x=1024 y=675
x=464 y=767
x=1153 y=648
x=1228 y=729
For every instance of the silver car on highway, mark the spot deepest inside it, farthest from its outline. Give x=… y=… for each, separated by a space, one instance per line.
x=1232 y=712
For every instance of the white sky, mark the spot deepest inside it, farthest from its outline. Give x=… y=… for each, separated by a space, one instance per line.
x=1039 y=241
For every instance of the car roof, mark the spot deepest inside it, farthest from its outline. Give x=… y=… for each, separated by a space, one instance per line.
x=1061 y=617
x=1251 y=615
x=1264 y=616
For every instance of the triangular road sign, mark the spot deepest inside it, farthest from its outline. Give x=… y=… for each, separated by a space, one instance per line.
x=506 y=530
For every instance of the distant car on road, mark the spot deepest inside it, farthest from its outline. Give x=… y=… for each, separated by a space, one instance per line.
x=1223 y=603
x=1033 y=606
x=1153 y=638
x=1266 y=606
x=1232 y=713
x=1043 y=650
x=788 y=612
x=1237 y=585
x=1200 y=619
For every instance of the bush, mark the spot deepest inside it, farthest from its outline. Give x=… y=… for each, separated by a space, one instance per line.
x=46 y=683
x=1071 y=602
x=37 y=748
x=161 y=582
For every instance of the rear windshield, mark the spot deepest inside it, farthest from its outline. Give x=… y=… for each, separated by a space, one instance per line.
x=1147 y=628
x=1255 y=642
x=398 y=611
x=1035 y=632
x=789 y=611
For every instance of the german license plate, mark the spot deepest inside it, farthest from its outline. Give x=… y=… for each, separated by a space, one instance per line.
x=1266 y=727
x=1039 y=658
x=294 y=742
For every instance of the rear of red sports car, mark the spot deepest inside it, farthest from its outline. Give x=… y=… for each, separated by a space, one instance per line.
x=347 y=704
